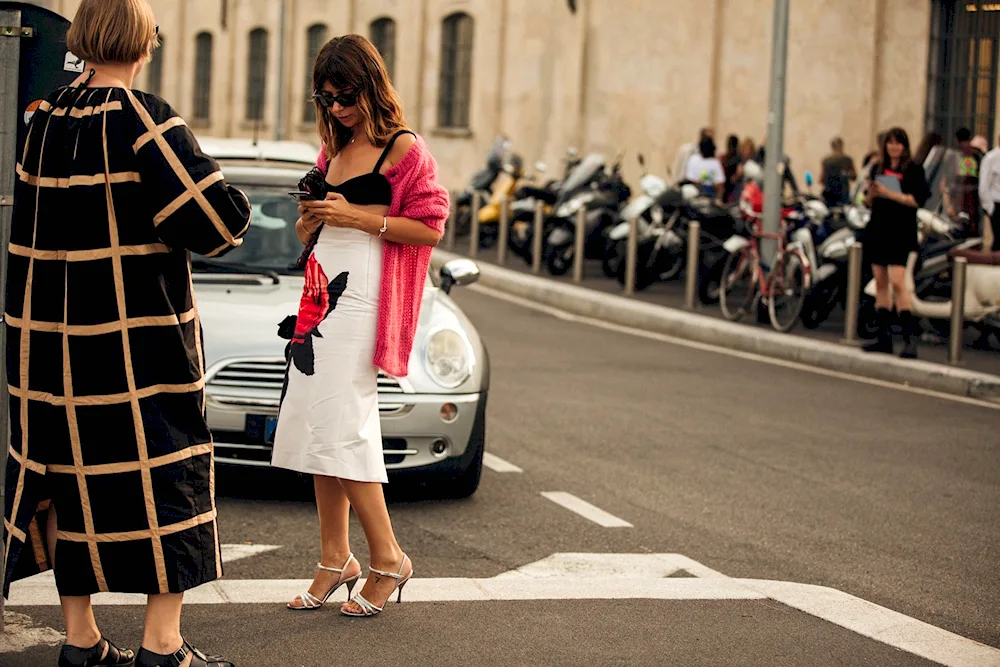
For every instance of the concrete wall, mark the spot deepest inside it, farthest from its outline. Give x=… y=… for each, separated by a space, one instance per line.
x=632 y=75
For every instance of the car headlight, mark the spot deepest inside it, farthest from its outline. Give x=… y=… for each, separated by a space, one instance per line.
x=448 y=358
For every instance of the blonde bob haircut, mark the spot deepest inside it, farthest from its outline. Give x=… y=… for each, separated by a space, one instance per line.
x=113 y=31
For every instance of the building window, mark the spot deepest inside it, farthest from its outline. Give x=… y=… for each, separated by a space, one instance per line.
x=315 y=39
x=154 y=70
x=962 y=84
x=257 y=75
x=383 y=36
x=456 y=71
x=203 y=76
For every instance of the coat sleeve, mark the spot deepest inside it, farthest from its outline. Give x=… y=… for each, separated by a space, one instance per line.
x=193 y=206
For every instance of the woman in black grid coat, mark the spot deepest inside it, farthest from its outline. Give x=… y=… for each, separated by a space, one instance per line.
x=110 y=478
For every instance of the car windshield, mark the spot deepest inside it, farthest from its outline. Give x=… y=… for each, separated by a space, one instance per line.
x=271 y=243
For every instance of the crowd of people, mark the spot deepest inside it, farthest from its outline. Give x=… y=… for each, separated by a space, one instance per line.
x=964 y=179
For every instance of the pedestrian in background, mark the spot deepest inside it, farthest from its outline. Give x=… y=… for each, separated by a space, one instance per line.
x=836 y=173
x=897 y=189
x=368 y=248
x=112 y=460
x=705 y=170
x=960 y=185
x=730 y=165
x=989 y=195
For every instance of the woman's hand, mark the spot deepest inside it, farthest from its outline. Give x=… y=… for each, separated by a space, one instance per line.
x=334 y=211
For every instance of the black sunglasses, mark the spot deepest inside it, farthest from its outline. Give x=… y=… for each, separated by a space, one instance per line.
x=327 y=99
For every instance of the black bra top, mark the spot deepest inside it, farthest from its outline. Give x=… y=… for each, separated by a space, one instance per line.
x=371 y=189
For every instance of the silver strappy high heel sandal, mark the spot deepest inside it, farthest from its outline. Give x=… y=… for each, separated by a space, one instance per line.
x=310 y=601
x=369 y=609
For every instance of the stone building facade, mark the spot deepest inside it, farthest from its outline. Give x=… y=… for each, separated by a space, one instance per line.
x=633 y=75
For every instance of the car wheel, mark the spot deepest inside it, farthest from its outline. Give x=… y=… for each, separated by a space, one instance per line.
x=466 y=483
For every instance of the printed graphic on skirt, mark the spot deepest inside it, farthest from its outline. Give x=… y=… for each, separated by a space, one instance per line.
x=319 y=298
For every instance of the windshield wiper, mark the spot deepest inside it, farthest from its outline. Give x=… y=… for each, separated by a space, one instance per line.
x=234 y=267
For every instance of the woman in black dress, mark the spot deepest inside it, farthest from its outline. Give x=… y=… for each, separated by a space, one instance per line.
x=891 y=236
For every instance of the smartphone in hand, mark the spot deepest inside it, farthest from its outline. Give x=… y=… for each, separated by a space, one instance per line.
x=301 y=195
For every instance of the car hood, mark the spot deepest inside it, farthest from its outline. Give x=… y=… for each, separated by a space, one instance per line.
x=240 y=316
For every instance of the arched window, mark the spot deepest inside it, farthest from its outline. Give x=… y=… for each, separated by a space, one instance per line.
x=456 y=71
x=257 y=75
x=315 y=39
x=383 y=36
x=203 y=76
x=154 y=70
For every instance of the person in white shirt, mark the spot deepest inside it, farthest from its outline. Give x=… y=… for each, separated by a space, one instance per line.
x=989 y=191
x=684 y=153
x=705 y=170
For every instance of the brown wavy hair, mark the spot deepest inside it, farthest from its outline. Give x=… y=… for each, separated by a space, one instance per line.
x=352 y=64
x=899 y=135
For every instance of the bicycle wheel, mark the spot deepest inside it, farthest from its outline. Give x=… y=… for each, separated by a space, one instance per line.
x=786 y=289
x=738 y=285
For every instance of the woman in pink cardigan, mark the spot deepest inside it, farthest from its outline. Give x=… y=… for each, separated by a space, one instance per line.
x=368 y=246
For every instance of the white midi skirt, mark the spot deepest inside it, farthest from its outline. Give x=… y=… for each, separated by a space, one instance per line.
x=328 y=422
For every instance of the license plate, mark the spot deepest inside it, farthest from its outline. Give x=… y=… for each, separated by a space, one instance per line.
x=261 y=428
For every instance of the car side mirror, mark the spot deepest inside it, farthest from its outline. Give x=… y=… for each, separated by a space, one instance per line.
x=459 y=272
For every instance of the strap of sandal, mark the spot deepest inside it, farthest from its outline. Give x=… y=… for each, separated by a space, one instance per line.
x=175 y=659
x=394 y=575
x=72 y=655
x=310 y=601
x=367 y=607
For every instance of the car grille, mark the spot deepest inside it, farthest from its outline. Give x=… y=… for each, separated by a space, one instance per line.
x=258 y=383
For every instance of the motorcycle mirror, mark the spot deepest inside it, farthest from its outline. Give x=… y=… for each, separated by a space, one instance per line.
x=809 y=178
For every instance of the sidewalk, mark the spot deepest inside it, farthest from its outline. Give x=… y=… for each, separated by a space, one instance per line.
x=661 y=308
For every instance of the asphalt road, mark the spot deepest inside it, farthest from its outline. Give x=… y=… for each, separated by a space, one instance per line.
x=753 y=470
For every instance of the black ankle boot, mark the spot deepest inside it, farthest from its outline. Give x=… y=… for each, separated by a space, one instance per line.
x=911 y=328
x=882 y=342
x=72 y=656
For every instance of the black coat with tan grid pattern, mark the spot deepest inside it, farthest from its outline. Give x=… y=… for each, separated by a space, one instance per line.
x=104 y=349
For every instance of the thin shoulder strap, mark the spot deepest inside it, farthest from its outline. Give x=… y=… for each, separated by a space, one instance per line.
x=388 y=147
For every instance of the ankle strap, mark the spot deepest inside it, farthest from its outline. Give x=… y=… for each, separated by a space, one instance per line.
x=394 y=575
x=334 y=569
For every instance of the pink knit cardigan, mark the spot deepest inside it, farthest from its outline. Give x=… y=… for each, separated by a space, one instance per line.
x=416 y=195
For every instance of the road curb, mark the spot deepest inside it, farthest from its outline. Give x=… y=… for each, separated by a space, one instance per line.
x=691 y=326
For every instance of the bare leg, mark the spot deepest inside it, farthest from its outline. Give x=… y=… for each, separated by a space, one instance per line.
x=81 y=627
x=883 y=298
x=162 y=634
x=335 y=548
x=897 y=277
x=369 y=504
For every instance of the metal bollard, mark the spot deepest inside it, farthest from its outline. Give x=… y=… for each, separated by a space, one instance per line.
x=536 y=238
x=449 y=232
x=853 y=303
x=957 y=334
x=693 y=264
x=578 y=244
x=503 y=232
x=631 y=252
x=477 y=203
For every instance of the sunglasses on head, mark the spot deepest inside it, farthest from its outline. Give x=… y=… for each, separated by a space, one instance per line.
x=327 y=99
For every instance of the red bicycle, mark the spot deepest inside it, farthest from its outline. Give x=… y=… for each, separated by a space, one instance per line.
x=746 y=282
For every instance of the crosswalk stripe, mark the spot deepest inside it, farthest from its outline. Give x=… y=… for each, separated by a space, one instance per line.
x=585 y=509
x=497 y=464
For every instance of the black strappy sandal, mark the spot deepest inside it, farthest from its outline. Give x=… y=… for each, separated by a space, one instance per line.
x=71 y=656
x=199 y=659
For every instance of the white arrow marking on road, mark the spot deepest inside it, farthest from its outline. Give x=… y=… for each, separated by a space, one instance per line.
x=585 y=509
x=497 y=464
x=608 y=576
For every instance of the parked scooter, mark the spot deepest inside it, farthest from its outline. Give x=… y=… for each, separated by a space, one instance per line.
x=481 y=182
x=597 y=190
x=642 y=208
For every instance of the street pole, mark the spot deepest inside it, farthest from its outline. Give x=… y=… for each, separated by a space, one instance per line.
x=775 y=130
x=10 y=67
x=279 y=123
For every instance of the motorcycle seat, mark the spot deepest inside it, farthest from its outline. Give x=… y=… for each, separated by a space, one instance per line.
x=977 y=256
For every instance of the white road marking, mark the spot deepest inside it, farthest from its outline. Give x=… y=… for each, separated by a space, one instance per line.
x=607 y=576
x=20 y=633
x=705 y=347
x=497 y=464
x=585 y=509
